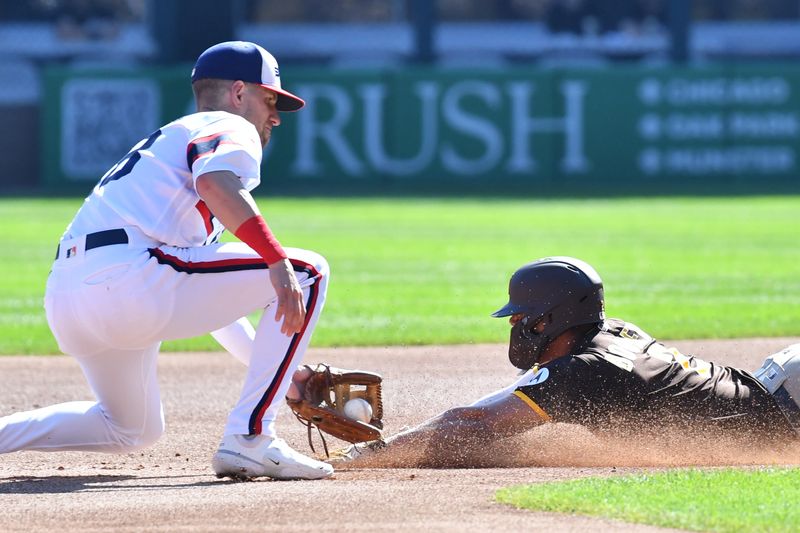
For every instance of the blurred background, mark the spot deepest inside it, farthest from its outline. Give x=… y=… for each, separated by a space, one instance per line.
x=414 y=95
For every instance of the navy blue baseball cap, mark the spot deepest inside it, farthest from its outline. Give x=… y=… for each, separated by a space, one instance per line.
x=248 y=62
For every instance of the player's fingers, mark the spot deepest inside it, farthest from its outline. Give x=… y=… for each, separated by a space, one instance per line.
x=301 y=310
x=280 y=310
x=296 y=318
x=294 y=392
x=301 y=316
x=301 y=375
x=285 y=311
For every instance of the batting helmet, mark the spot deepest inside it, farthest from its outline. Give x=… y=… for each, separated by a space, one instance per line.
x=566 y=290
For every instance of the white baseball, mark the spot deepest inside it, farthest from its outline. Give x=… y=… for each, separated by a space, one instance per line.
x=358 y=409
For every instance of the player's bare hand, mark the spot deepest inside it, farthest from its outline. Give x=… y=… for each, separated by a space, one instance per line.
x=301 y=375
x=291 y=307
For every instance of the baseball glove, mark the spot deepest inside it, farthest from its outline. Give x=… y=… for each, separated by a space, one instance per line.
x=324 y=395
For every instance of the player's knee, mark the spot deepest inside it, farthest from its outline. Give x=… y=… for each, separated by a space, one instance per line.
x=133 y=439
x=151 y=434
x=320 y=264
x=145 y=439
x=321 y=267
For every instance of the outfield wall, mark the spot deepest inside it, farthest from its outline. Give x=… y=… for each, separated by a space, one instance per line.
x=620 y=126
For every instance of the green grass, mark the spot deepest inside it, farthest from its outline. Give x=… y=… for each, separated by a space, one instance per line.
x=726 y=500
x=418 y=271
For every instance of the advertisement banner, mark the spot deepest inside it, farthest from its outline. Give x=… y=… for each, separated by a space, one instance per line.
x=618 y=125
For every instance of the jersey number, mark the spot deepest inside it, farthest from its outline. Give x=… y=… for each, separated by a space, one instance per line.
x=125 y=165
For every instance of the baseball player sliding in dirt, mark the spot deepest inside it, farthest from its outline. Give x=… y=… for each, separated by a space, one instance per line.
x=140 y=264
x=582 y=368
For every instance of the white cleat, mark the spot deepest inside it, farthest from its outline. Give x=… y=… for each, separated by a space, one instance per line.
x=244 y=457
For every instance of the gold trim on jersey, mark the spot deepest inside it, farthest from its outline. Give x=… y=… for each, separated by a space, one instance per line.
x=533 y=405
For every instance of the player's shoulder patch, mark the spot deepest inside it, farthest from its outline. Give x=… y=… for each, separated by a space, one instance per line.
x=629 y=332
x=540 y=376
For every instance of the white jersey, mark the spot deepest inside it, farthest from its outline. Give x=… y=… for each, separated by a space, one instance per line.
x=153 y=189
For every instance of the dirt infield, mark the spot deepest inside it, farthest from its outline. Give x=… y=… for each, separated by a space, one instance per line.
x=170 y=487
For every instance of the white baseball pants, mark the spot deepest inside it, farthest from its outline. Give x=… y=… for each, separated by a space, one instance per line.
x=111 y=307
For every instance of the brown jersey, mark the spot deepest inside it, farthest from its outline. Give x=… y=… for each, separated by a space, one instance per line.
x=625 y=377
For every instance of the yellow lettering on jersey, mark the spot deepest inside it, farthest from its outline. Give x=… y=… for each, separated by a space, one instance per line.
x=533 y=405
x=697 y=365
x=628 y=334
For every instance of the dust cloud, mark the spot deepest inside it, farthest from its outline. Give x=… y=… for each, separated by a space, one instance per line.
x=567 y=445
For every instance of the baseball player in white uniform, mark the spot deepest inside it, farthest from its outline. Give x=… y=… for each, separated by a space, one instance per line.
x=140 y=264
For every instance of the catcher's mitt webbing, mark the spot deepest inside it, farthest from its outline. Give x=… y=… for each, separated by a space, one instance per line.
x=326 y=392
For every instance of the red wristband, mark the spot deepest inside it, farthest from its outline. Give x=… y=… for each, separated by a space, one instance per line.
x=255 y=233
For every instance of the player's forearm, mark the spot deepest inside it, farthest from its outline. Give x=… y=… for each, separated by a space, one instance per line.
x=418 y=446
x=233 y=205
x=438 y=442
x=455 y=422
x=453 y=437
x=225 y=196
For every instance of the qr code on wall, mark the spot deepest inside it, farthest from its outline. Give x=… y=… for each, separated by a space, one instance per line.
x=101 y=120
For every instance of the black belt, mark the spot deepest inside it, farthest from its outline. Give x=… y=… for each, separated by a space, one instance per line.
x=102 y=238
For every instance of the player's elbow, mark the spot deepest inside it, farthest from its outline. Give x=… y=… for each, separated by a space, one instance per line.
x=204 y=185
